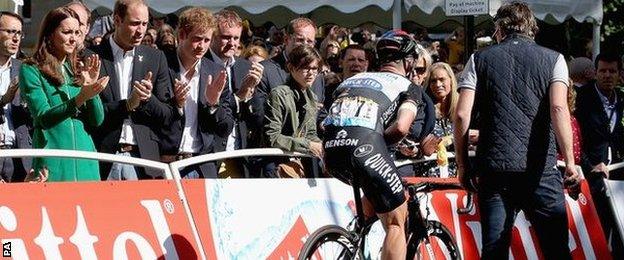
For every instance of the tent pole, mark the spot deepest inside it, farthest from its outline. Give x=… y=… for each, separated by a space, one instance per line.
x=469 y=37
x=596 y=40
x=396 y=14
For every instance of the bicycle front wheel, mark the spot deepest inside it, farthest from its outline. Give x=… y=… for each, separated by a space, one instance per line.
x=439 y=244
x=329 y=242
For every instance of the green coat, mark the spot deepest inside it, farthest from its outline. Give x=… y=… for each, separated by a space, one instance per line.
x=281 y=121
x=59 y=124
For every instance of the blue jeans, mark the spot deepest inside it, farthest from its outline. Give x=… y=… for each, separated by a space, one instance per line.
x=121 y=171
x=539 y=195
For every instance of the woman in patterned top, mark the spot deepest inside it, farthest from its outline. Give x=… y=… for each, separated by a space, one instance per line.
x=576 y=129
x=441 y=86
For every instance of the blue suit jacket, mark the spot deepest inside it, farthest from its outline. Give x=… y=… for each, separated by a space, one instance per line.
x=211 y=125
x=21 y=119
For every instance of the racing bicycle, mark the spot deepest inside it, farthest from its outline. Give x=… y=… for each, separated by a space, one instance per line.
x=426 y=239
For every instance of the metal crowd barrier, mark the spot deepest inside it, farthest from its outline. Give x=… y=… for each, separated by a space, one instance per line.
x=171 y=171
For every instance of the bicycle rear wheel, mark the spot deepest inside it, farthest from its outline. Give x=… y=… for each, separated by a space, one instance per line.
x=439 y=244
x=330 y=242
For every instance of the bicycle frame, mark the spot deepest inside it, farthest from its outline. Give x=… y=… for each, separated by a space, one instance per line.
x=416 y=223
x=362 y=226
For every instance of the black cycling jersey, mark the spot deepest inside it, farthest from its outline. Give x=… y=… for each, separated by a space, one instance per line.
x=371 y=100
x=364 y=106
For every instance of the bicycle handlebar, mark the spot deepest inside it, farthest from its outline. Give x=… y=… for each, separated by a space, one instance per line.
x=433 y=184
x=429 y=186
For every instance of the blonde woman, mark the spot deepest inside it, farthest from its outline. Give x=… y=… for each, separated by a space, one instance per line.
x=441 y=85
x=422 y=64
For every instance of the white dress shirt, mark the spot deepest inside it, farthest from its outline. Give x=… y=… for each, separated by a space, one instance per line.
x=123 y=68
x=232 y=143
x=191 y=140
x=7 y=135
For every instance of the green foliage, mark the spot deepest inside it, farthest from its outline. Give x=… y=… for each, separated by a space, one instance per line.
x=613 y=22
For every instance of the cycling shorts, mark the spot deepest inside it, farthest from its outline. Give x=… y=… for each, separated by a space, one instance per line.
x=357 y=152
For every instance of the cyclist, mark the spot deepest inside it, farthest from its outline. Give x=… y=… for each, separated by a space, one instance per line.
x=372 y=111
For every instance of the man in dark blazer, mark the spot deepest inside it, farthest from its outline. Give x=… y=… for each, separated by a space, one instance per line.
x=200 y=93
x=15 y=120
x=599 y=106
x=299 y=31
x=243 y=77
x=137 y=95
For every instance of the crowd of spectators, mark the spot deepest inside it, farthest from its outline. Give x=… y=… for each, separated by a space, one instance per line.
x=209 y=82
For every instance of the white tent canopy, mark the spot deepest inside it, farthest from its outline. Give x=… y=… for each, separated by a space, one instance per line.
x=385 y=13
x=554 y=11
x=256 y=6
x=559 y=10
x=551 y=11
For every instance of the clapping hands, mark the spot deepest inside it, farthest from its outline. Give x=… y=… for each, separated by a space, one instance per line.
x=214 y=88
x=141 y=91
x=88 y=72
x=10 y=93
x=41 y=177
x=250 y=81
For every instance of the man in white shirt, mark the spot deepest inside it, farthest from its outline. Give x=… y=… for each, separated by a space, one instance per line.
x=200 y=93
x=242 y=79
x=137 y=99
x=14 y=118
x=518 y=89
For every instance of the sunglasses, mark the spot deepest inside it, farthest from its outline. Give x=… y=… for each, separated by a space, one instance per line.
x=420 y=70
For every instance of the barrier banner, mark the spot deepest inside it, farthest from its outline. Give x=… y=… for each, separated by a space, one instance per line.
x=236 y=219
x=264 y=218
x=615 y=191
x=97 y=220
x=586 y=239
x=271 y=219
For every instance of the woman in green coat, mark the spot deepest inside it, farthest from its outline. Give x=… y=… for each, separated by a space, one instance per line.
x=63 y=101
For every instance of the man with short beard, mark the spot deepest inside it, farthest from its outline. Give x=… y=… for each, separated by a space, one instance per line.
x=136 y=100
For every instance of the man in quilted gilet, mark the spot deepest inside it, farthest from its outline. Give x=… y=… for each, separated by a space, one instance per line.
x=518 y=90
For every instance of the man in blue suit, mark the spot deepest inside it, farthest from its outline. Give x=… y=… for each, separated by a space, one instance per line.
x=242 y=78
x=200 y=95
